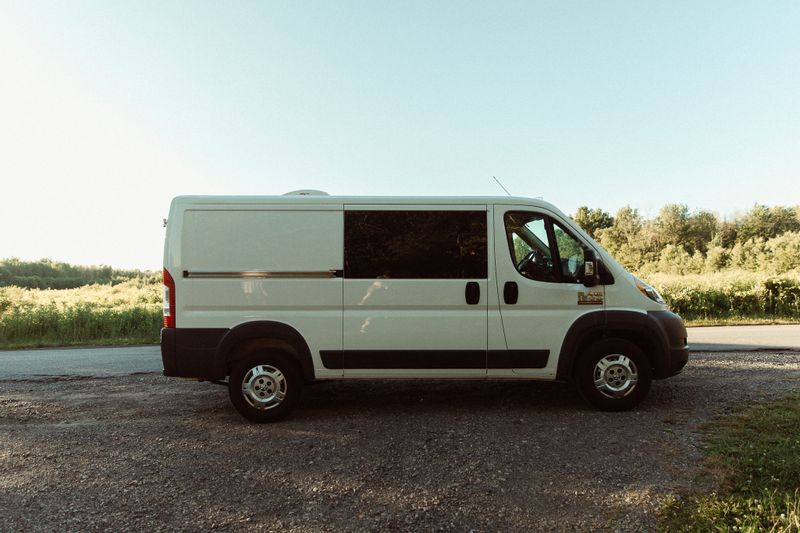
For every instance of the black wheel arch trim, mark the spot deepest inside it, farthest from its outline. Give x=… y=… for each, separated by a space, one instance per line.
x=660 y=334
x=288 y=339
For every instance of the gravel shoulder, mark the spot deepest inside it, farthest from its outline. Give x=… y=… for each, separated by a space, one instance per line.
x=145 y=452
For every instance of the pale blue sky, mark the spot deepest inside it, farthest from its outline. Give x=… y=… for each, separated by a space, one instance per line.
x=108 y=109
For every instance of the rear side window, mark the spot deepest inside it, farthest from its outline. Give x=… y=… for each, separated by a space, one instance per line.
x=415 y=244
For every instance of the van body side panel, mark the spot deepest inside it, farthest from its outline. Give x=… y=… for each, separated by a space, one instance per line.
x=261 y=240
x=246 y=264
x=393 y=326
x=416 y=290
x=310 y=306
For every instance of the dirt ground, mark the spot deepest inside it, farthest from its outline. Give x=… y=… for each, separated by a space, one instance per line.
x=145 y=452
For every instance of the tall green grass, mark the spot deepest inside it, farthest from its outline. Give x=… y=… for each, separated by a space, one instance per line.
x=754 y=454
x=731 y=294
x=127 y=313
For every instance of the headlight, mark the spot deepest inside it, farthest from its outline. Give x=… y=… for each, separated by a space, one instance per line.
x=648 y=291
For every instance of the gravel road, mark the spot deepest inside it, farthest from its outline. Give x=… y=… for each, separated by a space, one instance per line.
x=145 y=452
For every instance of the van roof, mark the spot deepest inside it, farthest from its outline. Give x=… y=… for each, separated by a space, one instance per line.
x=312 y=199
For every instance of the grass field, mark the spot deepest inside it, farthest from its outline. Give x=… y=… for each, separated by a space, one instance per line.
x=732 y=297
x=754 y=457
x=126 y=313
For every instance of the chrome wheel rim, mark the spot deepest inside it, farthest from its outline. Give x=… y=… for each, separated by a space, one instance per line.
x=615 y=376
x=264 y=387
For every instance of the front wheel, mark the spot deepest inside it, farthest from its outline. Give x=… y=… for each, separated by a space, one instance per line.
x=265 y=387
x=613 y=375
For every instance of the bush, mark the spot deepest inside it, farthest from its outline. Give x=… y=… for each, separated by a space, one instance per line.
x=785 y=252
x=98 y=314
x=731 y=294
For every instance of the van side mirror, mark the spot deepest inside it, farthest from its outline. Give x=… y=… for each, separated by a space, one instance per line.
x=591 y=268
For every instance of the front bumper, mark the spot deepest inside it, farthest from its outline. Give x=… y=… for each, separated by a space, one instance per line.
x=673 y=330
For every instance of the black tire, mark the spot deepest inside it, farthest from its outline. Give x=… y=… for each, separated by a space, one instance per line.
x=264 y=387
x=613 y=375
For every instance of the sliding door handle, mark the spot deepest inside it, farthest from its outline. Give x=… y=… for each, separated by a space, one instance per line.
x=473 y=293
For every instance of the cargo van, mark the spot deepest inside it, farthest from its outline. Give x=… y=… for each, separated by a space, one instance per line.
x=272 y=292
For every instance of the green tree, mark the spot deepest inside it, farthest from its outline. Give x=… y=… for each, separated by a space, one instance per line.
x=674 y=259
x=750 y=255
x=703 y=226
x=784 y=252
x=717 y=258
x=593 y=220
x=726 y=234
x=672 y=226
x=49 y=274
x=767 y=222
x=624 y=239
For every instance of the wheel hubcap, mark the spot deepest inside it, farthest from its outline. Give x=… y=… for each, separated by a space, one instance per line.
x=615 y=376
x=264 y=387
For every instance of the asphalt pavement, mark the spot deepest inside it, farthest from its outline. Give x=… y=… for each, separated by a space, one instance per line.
x=102 y=361
x=745 y=338
x=111 y=361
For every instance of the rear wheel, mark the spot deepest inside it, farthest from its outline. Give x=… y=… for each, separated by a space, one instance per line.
x=613 y=375
x=265 y=387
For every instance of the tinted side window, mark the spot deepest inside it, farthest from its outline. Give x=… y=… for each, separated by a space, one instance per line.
x=415 y=244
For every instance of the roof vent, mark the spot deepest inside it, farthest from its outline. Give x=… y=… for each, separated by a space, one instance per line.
x=307 y=192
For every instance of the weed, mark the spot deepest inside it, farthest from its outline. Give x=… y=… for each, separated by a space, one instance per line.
x=754 y=454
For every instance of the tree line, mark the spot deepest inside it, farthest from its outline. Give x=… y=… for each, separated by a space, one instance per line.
x=48 y=274
x=681 y=241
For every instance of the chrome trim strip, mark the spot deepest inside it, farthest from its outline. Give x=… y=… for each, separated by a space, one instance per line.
x=260 y=274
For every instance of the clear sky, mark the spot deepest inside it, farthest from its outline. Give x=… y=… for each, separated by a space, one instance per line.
x=109 y=109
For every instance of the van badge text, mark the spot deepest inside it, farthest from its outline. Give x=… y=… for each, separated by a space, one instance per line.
x=590 y=298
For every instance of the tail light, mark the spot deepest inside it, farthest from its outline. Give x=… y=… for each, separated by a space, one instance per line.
x=169 y=300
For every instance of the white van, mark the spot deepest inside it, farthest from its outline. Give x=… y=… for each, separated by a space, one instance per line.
x=271 y=292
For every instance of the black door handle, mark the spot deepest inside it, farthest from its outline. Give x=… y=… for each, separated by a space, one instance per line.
x=510 y=292
x=473 y=293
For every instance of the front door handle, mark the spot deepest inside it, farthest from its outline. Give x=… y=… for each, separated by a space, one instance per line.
x=473 y=293
x=510 y=292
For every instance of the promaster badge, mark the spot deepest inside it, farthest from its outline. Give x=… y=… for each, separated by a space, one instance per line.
x=590 y=298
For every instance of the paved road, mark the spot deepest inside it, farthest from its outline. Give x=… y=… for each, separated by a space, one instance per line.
x=101 y=361
x=128 y=360
x=745 y=338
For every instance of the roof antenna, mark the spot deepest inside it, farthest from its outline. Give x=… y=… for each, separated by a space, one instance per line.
x=501 y=185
